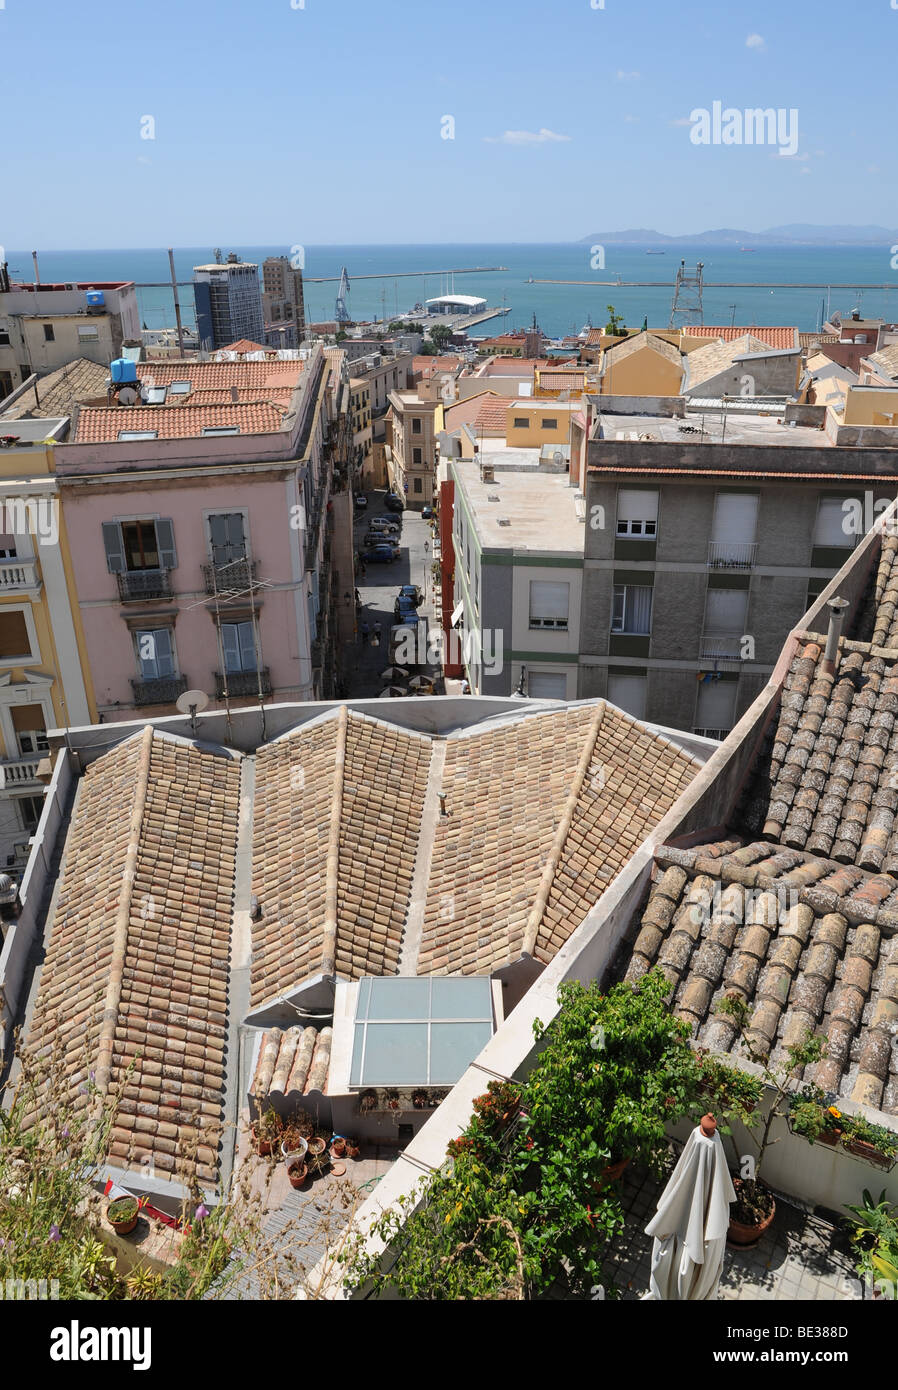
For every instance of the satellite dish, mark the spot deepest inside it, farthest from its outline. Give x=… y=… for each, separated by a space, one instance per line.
x=192 y=701
x=127 y=396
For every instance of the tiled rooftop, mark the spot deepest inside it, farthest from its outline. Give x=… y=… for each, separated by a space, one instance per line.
x=244 y=345
x=103 y=424
x=337 y=818
x=707 y=362
x=732 y=919
x=563 y=381
x=134 y=985
x=292 y=1062
x=778 y=337
x=636 y=344
x=61 y=391
x=221 y=376
x=886 y=362
x=546 y=811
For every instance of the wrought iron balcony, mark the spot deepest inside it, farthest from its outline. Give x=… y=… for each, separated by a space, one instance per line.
x=229 y=580
x=728 y=555
x=161 y=690
x=134 y=585
x=241 y=683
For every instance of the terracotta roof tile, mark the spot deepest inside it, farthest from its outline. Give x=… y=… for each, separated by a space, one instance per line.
x=104 y=424
x=134 y=986
x=779 y=337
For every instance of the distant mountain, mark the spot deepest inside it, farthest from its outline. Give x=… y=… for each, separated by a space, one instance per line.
x=799 y=233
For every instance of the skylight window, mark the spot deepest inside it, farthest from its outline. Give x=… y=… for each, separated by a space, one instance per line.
x=156 y=395
x=221 y=429
x=179 y=388
x=138 y=434
x=411 y=1032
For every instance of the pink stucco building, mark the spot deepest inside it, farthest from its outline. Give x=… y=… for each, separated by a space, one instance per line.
x=203 y=545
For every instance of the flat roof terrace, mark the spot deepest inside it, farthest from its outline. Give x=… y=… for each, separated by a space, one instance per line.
x=539 y=507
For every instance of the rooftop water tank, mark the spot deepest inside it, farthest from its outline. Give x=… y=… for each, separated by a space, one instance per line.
x=95 y=299
x=123 y=372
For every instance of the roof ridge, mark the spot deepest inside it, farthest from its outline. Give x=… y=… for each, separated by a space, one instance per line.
x=332 y=870
x=112 y=1000
x=537 y=912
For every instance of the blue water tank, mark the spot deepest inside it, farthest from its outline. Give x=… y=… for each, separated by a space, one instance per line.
x=122 y=372
x=95 y=299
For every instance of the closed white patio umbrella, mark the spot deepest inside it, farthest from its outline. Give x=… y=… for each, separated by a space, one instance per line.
x=691 y=1223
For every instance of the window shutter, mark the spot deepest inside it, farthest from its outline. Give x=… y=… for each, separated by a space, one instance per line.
x=635 y=505
x=546 y=685
x=716 y=704
x=628 y=693
x=735 y=518
x=726 y=610
x=247 y=638
x=165 y=542
x=230 y=646
x=115 y=550
x=834 y=524
x=165 y=656
x=218 y=534
x=549 y=599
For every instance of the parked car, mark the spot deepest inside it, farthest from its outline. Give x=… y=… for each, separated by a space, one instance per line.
x=394 y=502
x=384 y=523
x=379 y=538
x=427 y=513
x=413 y=592
x=361 y=501
x=404 y=610
x=381 y=554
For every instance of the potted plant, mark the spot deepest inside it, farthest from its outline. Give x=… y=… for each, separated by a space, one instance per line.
x=393 y=1101
x=419 y=1099
x=266 y=1132
x=874 y=1143
x=293 y=1143
x=338 y=1146
x=368 y=1101
x=121 y=1213
x=353 y=1149
x=318 y=1162
x=875 y=1240
x=297 y=1171
x=317 y=1145
x=813 y=1119
x=755 y=1207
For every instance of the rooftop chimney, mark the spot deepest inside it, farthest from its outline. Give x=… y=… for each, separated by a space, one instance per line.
x=836 y=608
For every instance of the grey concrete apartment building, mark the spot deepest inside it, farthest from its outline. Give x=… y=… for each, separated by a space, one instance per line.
x=228 y=296
x=705 y=542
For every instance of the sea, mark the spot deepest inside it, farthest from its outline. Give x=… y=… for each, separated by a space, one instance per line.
x=559 y=308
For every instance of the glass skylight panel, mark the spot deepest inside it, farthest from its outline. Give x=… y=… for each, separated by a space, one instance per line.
x=422 y=1031
x=138 y=434
x=156 y=395
x=179 y=388
x=221 y=429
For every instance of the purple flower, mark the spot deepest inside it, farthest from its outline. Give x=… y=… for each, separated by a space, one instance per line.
x=201 y=1212
x=65 y=1132
x=54 y=1233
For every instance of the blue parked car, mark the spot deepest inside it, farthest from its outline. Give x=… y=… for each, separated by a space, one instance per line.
x=380 y=555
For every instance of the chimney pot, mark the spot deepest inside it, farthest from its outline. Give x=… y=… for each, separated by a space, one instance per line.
x=836 y=608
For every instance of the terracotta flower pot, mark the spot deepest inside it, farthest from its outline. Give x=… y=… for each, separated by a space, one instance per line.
x=353 y=1150
x=744 y=1235
x=261 y=1146
x=317 y=1146
x=297 y=1172
x=829 y=1136
x=124 y=1226
x=338 y=1147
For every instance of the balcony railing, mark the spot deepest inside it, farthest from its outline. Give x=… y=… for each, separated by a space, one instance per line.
x=134 y=585
x=231 y=579
x=242 y=683
x=722 y=647
x=16 y=575
x=728 y=555
x=161 y=690
x=19 y=772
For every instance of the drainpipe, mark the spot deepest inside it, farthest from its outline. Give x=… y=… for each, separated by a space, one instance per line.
x=836 y=608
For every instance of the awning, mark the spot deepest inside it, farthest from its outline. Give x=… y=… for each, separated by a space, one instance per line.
x=457 y=614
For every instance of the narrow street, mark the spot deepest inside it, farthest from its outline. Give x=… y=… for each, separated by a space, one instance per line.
x=363 y=662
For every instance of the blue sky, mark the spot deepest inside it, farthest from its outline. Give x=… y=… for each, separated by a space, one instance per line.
x=323 y=124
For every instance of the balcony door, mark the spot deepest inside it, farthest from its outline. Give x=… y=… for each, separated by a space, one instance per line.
x=238 y=643
x=29 y=723
x=734 y=527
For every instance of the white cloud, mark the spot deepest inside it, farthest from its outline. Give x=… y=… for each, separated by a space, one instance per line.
x=626 y=76
x=527 y=137
x=756 y=42
x=142 y=159
x=631 y=120
x=683 y=120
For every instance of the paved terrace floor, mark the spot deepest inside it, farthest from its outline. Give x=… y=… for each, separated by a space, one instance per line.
x=802 y=1256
